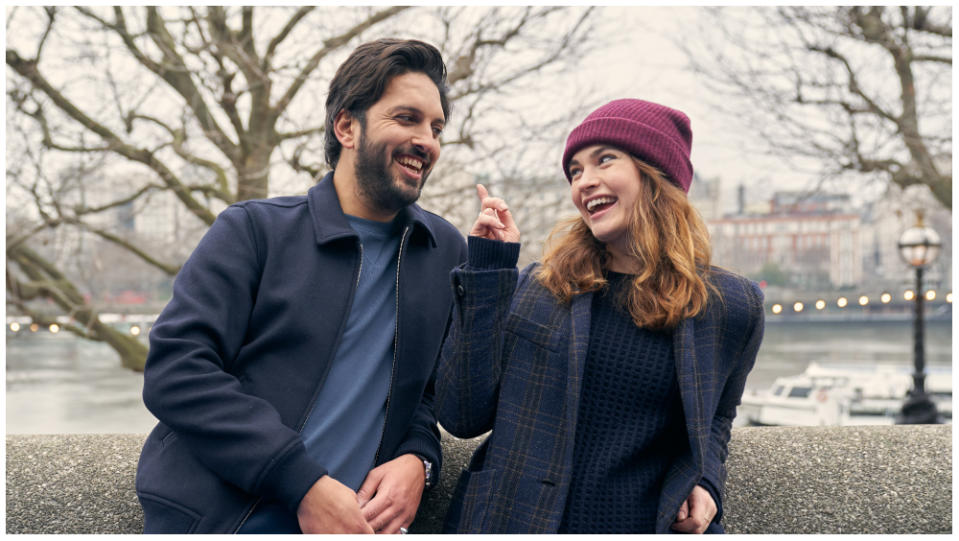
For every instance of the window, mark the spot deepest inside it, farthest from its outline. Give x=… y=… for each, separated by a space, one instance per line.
x=799 y=392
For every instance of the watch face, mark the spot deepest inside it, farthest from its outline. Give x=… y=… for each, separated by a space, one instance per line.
x=428 y=470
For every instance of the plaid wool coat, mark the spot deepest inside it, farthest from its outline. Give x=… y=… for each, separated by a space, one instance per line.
x=513 y=363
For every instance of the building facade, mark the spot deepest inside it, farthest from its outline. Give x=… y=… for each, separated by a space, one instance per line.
x=812 y=241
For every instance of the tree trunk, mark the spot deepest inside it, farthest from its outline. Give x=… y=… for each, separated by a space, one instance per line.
x=132 y=352
x=48 y=282
x=254 y=176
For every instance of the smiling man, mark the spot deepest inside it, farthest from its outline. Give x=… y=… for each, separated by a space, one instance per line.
x=292 y=372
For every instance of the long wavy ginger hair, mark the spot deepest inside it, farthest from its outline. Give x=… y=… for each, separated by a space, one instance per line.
x=668 y=239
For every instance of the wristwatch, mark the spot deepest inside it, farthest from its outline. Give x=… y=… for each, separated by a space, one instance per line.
x=427 y=471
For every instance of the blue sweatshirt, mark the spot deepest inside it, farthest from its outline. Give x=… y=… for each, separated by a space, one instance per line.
x=345 y=435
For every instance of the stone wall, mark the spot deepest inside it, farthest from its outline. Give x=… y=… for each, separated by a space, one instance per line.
x=895 y=479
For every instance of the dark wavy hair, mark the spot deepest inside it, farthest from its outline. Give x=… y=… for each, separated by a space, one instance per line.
x=361 y=80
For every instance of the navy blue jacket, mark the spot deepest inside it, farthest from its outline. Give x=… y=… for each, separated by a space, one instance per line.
x=513 y=363
x=239 y=354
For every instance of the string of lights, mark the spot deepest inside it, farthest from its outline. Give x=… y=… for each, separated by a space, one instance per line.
x=782 y=307
x=16 y=327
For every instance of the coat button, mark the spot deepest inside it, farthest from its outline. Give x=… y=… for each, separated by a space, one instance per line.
x=460 y=290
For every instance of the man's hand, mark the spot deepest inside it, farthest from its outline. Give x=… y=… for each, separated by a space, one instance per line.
x=330 y=507
x=696 y=512
x=391 y=493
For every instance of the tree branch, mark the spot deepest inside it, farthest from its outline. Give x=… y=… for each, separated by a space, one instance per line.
x=83 y=210
x=841 y=117
x=932 y=58
x=555 y=53
x=169 y=270
x=853 y=83
x=920 y=21
x=47 y=281
x=267 y=63
x=300 y=133
x=51 y=16
x=329 y=46
x=172 y=71
x=238 y=47
x=29 y=70
x=177 y=75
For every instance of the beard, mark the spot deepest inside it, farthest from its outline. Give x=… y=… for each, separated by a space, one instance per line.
x=374 y=180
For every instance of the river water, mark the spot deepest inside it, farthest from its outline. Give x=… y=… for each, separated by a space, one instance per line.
x=59 y=384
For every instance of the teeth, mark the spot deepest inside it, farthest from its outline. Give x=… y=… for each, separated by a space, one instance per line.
x=411 y=162
x=598 y=201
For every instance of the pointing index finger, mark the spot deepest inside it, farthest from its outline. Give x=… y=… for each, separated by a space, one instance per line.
x=481 y=192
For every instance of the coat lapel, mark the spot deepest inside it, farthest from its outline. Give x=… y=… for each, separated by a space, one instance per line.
x=578 y=346
x=689 y=372
x=686 y=471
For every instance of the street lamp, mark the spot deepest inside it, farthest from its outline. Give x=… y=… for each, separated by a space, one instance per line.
x=919 y=245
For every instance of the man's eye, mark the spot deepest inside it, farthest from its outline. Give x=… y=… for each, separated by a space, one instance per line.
x=437 y=132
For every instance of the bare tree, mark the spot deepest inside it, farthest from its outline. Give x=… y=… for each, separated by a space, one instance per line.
x=111 y=110
x=863 y=90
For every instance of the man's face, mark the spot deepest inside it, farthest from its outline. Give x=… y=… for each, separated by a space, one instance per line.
x=399 y=142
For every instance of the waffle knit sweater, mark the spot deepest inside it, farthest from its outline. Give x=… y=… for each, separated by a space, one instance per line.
x=630 y=423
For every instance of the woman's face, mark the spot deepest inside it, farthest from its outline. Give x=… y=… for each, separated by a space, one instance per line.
x=604 y=187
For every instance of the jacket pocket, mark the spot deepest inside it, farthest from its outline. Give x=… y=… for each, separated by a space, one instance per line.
x=163 y=516
x=539 y=334
x=534 y=506
x=167 y=438
x=472 y=502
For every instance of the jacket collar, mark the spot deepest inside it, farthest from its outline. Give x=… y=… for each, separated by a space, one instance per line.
x=580 y=318
x=329 y=222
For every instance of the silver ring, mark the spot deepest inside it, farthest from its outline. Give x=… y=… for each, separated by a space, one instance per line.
x=404 y=531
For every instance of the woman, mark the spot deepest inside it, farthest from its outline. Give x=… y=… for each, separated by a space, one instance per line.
x=610 y=372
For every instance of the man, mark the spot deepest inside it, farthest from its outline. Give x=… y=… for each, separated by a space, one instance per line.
x=292 y=372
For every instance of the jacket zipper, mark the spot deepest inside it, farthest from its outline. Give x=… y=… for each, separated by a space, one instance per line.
x=316 y=394
x=396 y=343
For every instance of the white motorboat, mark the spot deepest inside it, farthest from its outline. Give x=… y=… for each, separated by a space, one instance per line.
x=842 y=395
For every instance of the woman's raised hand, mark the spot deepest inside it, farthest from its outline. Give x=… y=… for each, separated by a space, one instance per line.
x=495 y=222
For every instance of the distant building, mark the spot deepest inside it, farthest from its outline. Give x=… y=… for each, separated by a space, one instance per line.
x=814 y=240
x=704 y=194
x=808 y=203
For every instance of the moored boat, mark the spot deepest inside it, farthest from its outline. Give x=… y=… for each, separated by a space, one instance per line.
x=843 y=396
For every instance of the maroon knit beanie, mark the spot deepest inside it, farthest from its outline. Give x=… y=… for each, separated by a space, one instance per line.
x=654 y=133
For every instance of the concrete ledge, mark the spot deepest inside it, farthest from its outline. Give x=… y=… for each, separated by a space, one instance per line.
x=886 y=480
x=878 y=479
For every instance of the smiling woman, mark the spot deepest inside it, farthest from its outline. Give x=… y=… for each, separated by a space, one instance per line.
x=605 y=185
x=609 y=373
x=629 y=171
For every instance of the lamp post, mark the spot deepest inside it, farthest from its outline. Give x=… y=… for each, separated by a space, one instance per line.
x=919 y=246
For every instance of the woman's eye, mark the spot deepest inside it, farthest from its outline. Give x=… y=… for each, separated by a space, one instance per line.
x=606 y=157
x=573 y=173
